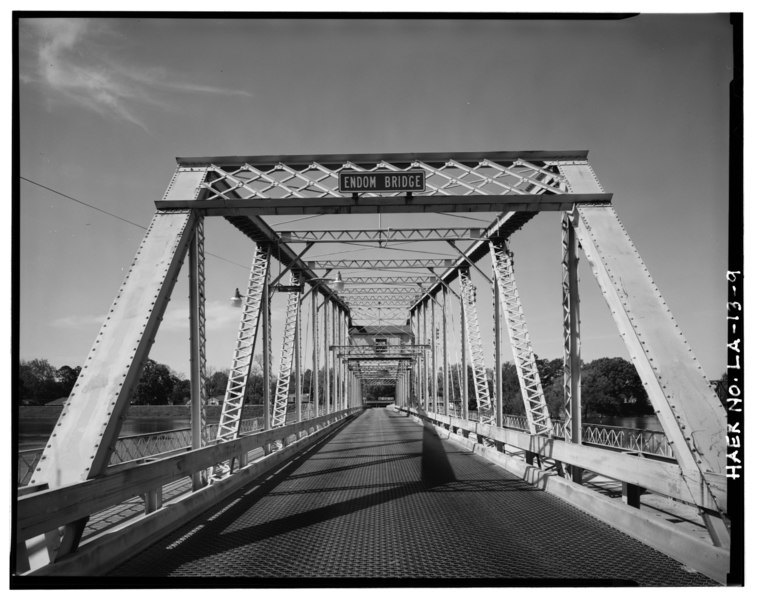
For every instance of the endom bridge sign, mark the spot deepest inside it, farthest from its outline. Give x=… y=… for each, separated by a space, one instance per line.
x=382 y=181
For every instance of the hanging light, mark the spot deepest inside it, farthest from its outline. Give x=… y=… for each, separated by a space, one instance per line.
x=236 y=300
x=338 y=282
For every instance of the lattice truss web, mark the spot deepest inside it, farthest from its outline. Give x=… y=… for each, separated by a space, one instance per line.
x=319 y=180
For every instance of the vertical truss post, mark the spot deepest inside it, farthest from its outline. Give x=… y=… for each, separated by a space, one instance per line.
x=233 y=401
x=326 y=357
x=424 y=341
x=434 y=382
x=445 y=358
x=197 y=344
x=288 y=351
x=343 y=363
x=335 y=376
x=298 y=362
x=315 y=390
x=525 y=361
x=571 y=333
x=498 y=417
x=475 y=348
x=414 y=329
x=338 y=362
x=266 y=354
x=463 y=360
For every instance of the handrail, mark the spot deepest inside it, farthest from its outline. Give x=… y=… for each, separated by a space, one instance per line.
x=46 y=510
x=659 y=476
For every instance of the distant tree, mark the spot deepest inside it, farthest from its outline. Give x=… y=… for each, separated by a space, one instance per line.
x=551 y=376
x=255 y=386
x=611 y=386
x=38 y=382
x=721 y=389
x=155 y=385
x=181 y=393
x=66 y=377
x=512 y=400
x=216 y=383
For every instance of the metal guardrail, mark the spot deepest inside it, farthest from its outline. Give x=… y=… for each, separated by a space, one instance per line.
x=617 y=437
x=135 y=447
x=44 y=510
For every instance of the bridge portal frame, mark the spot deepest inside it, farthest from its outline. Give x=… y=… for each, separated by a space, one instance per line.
x=84 y=435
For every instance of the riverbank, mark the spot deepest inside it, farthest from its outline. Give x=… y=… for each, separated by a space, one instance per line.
x=213 y=413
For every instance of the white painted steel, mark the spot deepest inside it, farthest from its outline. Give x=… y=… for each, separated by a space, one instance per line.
x=571 y=333
x=231 y=412
x=287 y=354
x=539 y=421
x=475 y=349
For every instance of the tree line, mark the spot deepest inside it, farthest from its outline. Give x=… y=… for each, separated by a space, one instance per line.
x=609 y=386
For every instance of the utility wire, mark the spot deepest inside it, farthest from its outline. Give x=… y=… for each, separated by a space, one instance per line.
x=55 y=191
x=126 y=220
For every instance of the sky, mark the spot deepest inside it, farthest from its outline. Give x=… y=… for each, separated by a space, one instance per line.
x=107 y=104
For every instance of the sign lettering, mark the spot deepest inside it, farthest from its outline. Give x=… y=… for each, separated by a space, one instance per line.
x=382 y=181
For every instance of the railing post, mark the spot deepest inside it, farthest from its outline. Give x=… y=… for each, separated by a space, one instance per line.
x=632 y=494
x=153 y=500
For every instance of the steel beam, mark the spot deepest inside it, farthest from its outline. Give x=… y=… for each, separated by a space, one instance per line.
x=249 y=325
x=88 y=426
x=393 y=204
x=197 y=345
x=535 y=405
x=314 y=399
x=571 y=333
x=383 y=281
x=476 y=350
x=266 y=309
x=380 y=236
x=337 y=160
x=375 y=264
x=445 y=360
x=497 y=309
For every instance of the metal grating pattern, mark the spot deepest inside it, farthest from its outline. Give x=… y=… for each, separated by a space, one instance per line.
x=371 y=264
x=476 y=349
x=386 y=498
x=319 y=179
x=287 y=354
x=231 y=412
x=525 y=361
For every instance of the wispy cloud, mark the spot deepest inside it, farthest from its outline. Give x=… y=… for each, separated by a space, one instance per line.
x=72 y=62
x=72 y=322
x=218 y=314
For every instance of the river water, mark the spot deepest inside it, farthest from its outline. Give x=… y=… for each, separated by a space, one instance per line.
x=33 y=432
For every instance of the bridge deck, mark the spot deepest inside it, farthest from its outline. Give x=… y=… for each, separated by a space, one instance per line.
x=384 y=497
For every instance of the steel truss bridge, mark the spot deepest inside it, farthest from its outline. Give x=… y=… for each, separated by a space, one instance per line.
x=387 y=473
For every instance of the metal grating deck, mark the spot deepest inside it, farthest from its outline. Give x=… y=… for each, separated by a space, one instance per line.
x=386 y=498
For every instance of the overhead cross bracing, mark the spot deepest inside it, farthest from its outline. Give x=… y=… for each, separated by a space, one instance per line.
x=381 y=281
x=379 y=301
x=382 y=235
x=385 y=308
x=371 y=264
